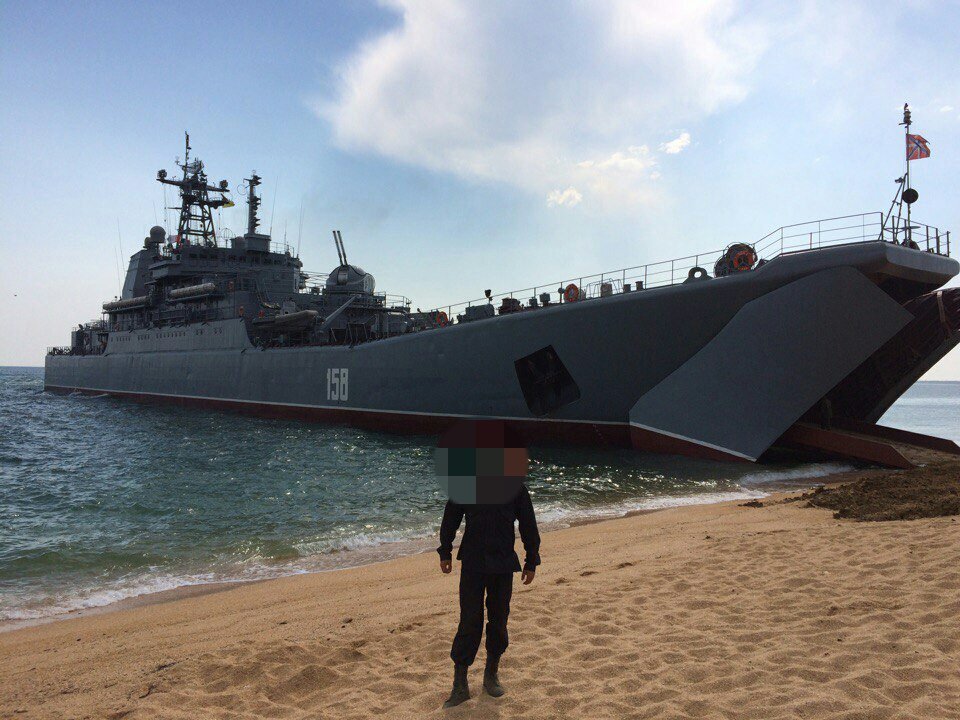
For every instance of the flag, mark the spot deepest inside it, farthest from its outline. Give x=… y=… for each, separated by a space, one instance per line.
x=917 y=147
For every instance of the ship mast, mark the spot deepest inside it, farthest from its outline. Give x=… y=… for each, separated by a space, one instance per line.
x=196 y=203
x=905 y=194
x=253 y=203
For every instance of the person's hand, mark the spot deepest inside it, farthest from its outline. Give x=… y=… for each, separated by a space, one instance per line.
x=446 y=566
x=527 y=576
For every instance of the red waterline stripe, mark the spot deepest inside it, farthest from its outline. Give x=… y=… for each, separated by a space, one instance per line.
x=531 y=430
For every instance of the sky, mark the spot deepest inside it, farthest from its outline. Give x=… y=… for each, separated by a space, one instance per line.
x=458 y=146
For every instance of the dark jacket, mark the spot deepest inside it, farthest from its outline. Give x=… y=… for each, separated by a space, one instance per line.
x=487 y=544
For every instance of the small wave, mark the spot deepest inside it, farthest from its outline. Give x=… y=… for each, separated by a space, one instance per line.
x=334 y=555
x=360 y=541
x=31 y=609
x=565 y=516
x=87 y=599
x=804 y=472
x=753 y=485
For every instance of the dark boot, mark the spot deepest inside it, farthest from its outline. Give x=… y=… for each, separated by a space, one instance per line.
x=491 y=683
x=461 y=691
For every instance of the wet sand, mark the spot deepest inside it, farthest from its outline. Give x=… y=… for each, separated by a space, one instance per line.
x=777 y=611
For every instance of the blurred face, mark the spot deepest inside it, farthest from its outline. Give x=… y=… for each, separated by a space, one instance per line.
x=480 y=462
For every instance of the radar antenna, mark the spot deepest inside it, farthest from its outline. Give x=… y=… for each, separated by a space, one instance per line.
x=196 y=204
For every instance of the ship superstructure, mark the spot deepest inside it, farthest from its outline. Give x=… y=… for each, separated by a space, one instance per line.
x=819 y=323
x=245 y=289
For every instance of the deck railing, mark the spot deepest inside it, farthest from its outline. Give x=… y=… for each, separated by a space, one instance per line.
x=316 y=283
x=224 y=241
x=394 y=301
x=800 y=237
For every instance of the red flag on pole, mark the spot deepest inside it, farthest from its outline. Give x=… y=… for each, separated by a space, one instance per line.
x=917 y=147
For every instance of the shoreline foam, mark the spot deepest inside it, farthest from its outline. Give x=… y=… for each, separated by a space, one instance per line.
x=166 y=587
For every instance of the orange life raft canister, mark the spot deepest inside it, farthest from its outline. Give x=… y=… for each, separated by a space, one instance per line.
x=744 y=260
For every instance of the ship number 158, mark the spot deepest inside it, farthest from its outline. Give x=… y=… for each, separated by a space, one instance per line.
x=337 y=384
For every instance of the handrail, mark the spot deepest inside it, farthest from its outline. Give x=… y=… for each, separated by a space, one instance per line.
x=316 y=282
x=788 y=239
x=223 y=241
x=392 y=300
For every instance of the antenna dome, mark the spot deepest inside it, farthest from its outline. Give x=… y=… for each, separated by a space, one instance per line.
x=157 y=234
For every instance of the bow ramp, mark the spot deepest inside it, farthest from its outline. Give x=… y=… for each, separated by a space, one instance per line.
x=775 y=359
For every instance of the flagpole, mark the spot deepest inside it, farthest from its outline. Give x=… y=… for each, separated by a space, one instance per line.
x=906 y=146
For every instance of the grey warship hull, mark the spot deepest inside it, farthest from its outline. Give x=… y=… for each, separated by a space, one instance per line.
x=718 y=368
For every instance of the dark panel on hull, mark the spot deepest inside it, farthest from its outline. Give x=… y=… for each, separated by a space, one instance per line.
x=545 y=381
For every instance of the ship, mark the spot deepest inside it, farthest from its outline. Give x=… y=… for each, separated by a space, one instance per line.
x=800 y=340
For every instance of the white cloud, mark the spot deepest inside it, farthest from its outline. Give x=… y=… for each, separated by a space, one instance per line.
x=569 y=197
x=635 y=159
x=946 y=108
x=620 y=178
x=677 y=144
x=543 y=97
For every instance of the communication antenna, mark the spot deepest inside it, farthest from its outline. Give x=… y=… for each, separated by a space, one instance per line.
x=273 y=208
x=119 y=239
x=300 y=229
x=119 y=259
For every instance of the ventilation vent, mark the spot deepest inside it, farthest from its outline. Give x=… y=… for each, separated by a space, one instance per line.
x=546 y=383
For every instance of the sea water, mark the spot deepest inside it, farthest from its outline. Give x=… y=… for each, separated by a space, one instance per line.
x=104 y=499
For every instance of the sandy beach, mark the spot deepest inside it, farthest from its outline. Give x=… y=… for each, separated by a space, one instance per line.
x=728 y=611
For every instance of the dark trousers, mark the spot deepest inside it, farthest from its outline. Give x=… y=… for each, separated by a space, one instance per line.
x=498 y=588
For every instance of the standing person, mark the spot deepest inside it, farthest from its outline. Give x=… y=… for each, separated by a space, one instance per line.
x=488 y=562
